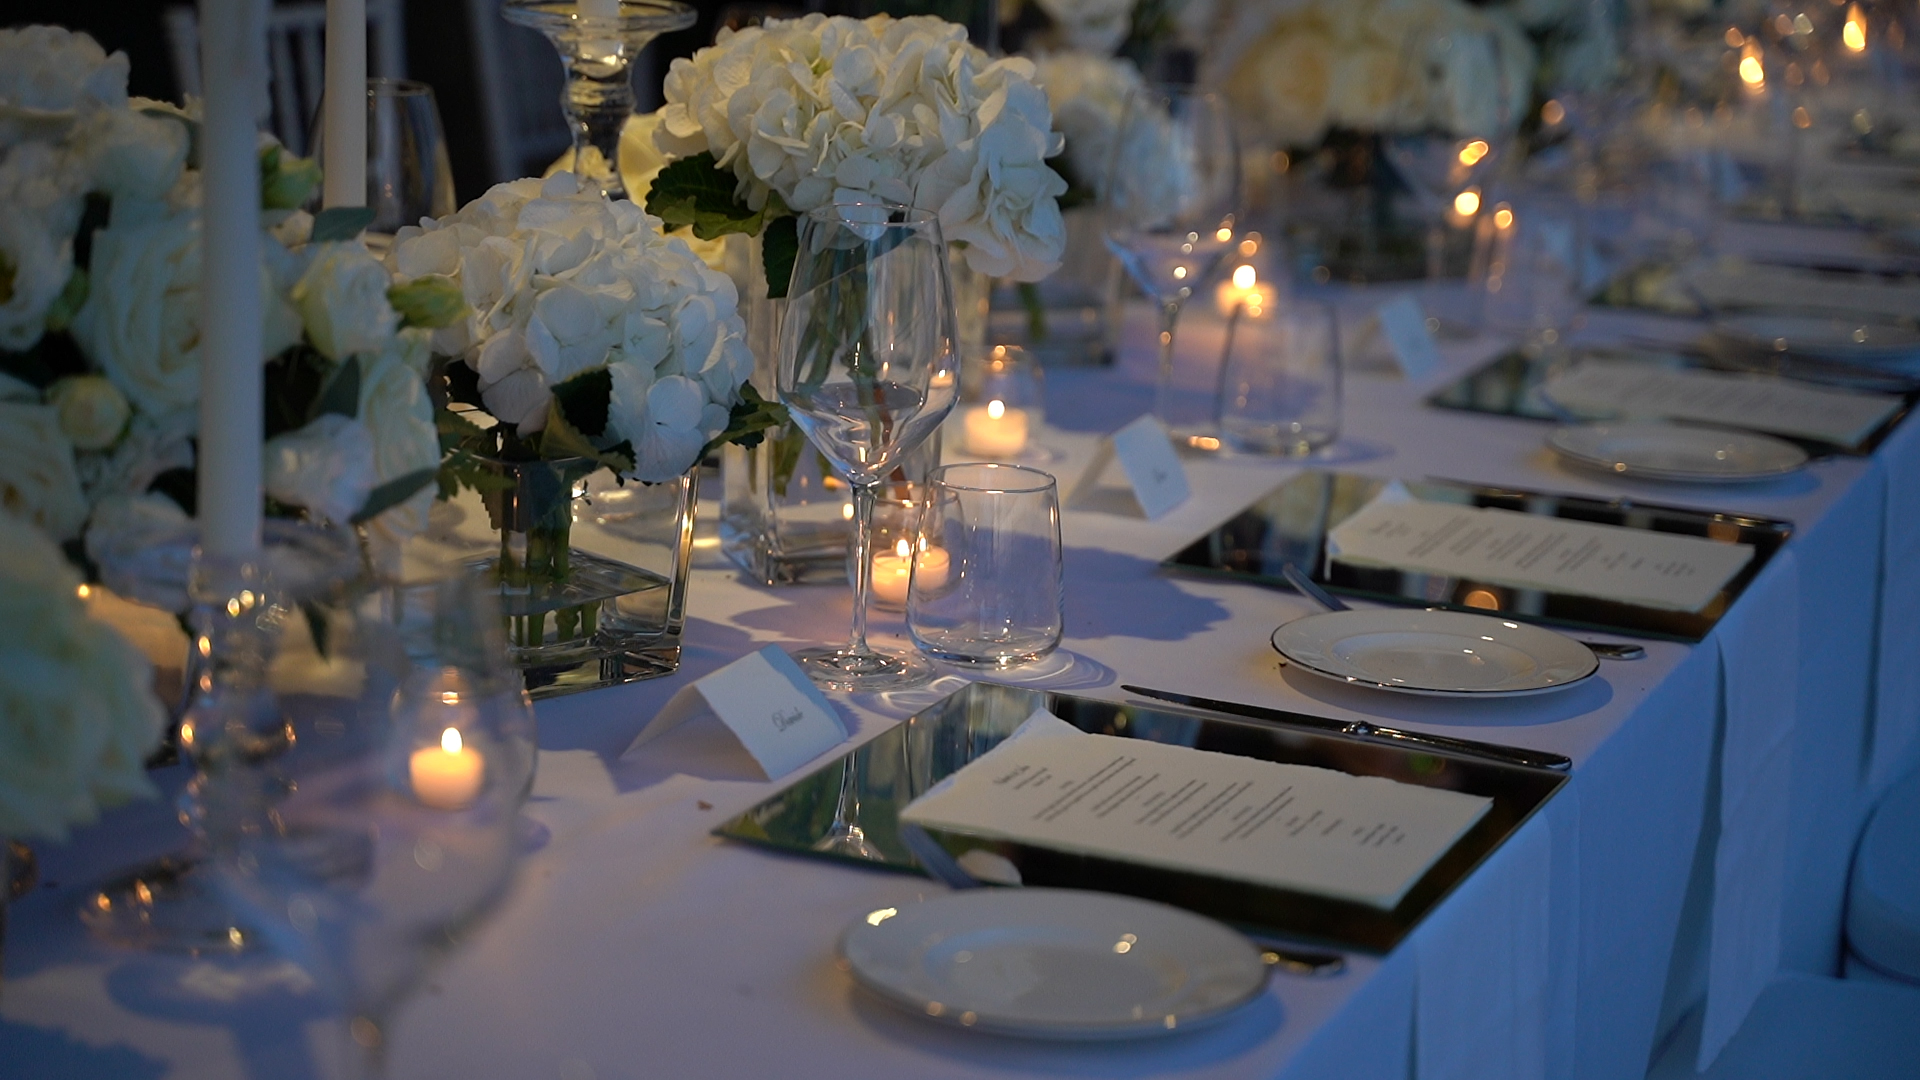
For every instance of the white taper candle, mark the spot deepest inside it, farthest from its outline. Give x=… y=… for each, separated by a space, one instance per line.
x=344 y=120
x=233 y=65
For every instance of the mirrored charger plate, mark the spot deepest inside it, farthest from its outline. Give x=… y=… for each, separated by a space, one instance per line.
x=1679 y=452
x=1837 y=336
x=1054 y=963
x=1435 y=653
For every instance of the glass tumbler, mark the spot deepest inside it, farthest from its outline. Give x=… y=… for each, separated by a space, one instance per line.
x=986 y=588
x=1280 y=381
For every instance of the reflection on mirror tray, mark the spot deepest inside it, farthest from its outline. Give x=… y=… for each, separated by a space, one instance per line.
x=812 y=814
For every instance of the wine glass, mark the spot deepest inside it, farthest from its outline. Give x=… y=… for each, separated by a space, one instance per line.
x=408 y=174
x=390 y=825
x=1455 y=81
x=1171 y=191
x=868 y=367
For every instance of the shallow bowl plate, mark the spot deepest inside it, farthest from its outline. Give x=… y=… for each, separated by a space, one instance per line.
x=1824 y=336
x=1658 y=451
x=1435 y=653
x=1054 y=963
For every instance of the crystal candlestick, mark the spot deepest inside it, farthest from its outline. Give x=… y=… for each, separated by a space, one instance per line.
x=598 y=41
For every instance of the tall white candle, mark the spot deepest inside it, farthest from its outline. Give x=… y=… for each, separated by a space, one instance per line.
x=233 y=72
x=344 y=123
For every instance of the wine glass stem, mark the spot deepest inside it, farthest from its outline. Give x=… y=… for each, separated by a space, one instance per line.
x=863 y=500
x=1163 y=386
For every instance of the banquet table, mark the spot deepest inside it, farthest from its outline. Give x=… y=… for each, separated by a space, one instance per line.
x=1701 y=844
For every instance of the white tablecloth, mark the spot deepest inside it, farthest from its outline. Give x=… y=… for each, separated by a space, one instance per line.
x=635 y=944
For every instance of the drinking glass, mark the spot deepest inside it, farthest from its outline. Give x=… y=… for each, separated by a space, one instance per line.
x=1529 y=268
x=1168 y=205
x=408 y=175
x=867 y=366
x=1458 y=78
x=1280 y=387
x=391 y=824
x=996 y=598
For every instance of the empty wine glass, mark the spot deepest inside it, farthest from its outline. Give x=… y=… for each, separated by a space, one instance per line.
x=408 y=174
x=1457 y=81
x=868 y=366
x=391 y=823
x=1171 y=191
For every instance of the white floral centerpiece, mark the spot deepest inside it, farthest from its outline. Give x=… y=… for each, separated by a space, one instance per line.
x=1088 y=93
x=795 y=114
x=99 y=328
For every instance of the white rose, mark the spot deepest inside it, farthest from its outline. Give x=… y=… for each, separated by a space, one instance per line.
x=1363 y=90
x=399 y=416
x=327 y=467
x=141 y=321
x=1286 y=83
x=35 y=264
x=77 y=712
x=92 y=411
x=37 y=477
x=1091 y=26
x=131 y=155
x=49 y=75
x=342 y=300
x=140 y=543
x=151 y=445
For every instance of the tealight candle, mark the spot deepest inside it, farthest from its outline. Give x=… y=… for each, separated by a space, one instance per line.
x=1244 y=288
x=893 y=573
x=448 y=776
x=994 y=430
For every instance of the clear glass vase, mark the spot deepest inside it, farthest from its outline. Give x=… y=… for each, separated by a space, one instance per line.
x=598 y=50
x=785 y=518
x=592 y=572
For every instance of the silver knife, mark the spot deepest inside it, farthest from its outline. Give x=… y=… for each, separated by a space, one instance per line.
x=1513 y=755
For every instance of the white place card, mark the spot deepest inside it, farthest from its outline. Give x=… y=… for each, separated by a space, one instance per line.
x=1623 y=388
x=1155 y=477
x=1403 y=324
x=1531 y=551
x=1360 y=838
x=767 y=702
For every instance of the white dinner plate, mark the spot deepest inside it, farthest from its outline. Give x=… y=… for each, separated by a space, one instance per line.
x=1824 y=336
x=1435 y=653
x=1054 y=963
x=1658 y=451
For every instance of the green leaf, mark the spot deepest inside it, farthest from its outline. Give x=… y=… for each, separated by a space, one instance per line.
x=695 y=192
x=562 y=440
x=341 y=394
x=393 y=493
x=340 y=223
x=749 y=421
x=429 y=302
x=286 y=181
x=65 y=306
x=779 y=246
x=583 y=400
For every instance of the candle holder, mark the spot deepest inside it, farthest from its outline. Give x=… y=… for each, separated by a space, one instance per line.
x=598 y=41
x=1002 y=407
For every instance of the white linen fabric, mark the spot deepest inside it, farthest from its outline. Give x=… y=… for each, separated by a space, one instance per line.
x=1896 y=702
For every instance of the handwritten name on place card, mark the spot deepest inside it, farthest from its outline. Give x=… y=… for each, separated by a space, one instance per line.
x=768 y=703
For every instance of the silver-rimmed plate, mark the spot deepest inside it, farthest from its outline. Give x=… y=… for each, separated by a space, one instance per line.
x=1054 y=963
x=1435 y=653
x=1839 y=336
x=1679 y=452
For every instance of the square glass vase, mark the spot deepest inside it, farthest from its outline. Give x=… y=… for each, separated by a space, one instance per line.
x=592 y=572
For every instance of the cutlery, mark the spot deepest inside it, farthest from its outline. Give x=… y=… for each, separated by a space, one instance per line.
x=1308 y=588
x=1512 y=755
x=947 y=870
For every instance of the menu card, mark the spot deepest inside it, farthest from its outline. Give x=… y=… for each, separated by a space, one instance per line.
x=1609 y=388
x=1532 y=551
x=1361 y=838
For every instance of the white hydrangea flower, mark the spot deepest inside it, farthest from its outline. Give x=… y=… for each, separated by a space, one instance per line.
x=77 y=711
x=903 y=110
x=1088 y=94
x=560 y=281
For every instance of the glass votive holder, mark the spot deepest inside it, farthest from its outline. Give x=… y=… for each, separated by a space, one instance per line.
x=987 y=589
x=1002 y=404
x=1280 y=383
x=897 y=548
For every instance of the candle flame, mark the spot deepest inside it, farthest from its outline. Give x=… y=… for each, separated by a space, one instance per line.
x=996 y=408
x=450 y=740
x=1471 y=153
x=1503 y=217
x=1244 y=277
x=1225 y=234
x=1751 y=72
x=1467 y=203
x=449 y=697
x=903 y=549
x=1854 y=33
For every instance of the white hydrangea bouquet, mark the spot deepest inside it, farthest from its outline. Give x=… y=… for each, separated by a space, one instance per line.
x=786 y=117
x=99 y=322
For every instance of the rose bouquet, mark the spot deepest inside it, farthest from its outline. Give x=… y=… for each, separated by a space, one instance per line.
x=793 y=115
x=100 y=335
